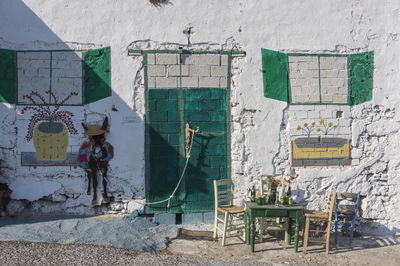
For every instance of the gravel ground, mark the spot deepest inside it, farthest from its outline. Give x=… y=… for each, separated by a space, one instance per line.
x=139 y=241
x=24 y=253
x=139 y=233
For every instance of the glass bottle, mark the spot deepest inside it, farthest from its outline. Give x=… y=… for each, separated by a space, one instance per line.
x=253 y=194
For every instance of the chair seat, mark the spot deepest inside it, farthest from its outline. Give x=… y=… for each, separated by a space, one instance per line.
x=316 y=214
x=345 y=211
x=231 y=209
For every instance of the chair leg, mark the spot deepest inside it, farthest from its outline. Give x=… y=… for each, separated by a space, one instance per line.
x=305 y=237
x=328 y=237
x=215 y=225
x=351 y=232
x=226 y=218
x=261 y=231
x=336 y=231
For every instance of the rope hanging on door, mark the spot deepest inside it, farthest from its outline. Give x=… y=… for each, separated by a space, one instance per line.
x=189 y=133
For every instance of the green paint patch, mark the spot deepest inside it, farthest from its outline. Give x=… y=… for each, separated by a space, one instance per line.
x=97 y=74
x=8 y=76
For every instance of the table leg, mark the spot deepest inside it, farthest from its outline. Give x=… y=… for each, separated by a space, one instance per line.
x=247 y=228
x=296 y=234
x=288 y=234
x=252 y=231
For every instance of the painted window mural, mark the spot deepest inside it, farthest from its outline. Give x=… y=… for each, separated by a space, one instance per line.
x=48 y=84
x=320 y=90
x=86 y=73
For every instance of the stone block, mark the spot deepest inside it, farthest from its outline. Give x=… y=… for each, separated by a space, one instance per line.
x=219 y=71
x=166 y=59
x=224 y=60
x=151 y=82
x=192 y=218
x=156 y=71
x=208 y=217
x=30 y=72
x=199 y=70
x=68 y=56
x=44 y=72
x=40 y=83
x=190 y=82
x=170 y=82
x=209 y=82
x=64 y=64
x=165 y=218
x=34 y=55
x=151 y=59
x=326 y=114
x=343 y=74
x=178 y=70
x=313 y=114
x=201 y=59
x=76 y=68
x=301 y=115
x=344 y=130
x=58 y=73
x=223 y=83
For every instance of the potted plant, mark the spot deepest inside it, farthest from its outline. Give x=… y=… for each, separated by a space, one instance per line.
x=48 y=126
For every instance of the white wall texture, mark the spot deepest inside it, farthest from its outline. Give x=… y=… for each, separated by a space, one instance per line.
x=260 y=127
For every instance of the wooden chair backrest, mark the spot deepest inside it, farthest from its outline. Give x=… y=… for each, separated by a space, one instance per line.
x=331 y=203
x=223 y=192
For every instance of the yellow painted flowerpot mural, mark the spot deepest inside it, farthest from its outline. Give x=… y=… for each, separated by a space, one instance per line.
x=50 y=140
x=49 y=126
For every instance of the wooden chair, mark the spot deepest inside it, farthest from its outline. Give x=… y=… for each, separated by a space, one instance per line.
x=346 y=209
x=233 y=216
x=269 y=224
x=318 y=217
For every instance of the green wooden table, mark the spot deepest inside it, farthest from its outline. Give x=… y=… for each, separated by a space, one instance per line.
x=291 y=213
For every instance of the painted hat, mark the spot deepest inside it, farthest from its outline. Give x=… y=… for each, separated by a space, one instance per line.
x=95 y=130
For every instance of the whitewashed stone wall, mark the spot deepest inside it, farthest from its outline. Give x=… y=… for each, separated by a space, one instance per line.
x=261 y=127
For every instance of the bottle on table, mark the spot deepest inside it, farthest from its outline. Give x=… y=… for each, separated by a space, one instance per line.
x=253 y=194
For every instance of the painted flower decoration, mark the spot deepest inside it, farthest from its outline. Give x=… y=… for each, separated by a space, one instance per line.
x=42 y=111
x=326 y=128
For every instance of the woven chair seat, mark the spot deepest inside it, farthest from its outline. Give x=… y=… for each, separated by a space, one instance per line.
x=231 y=209
x=316 y=214
x=345 y=211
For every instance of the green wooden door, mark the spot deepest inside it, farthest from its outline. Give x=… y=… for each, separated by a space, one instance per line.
x=168 y=111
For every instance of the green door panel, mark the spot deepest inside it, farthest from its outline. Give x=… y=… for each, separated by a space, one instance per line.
x=168 y=111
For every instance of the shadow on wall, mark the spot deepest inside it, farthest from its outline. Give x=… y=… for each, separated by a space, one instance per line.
x=61 y=84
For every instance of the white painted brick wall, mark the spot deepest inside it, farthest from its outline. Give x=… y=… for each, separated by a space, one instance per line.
x=192 y=71
x=166 y=59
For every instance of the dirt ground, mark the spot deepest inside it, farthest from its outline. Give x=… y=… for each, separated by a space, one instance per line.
x=363 y=251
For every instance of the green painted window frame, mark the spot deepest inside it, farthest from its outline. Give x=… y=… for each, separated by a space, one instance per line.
x=359 y=86
x=12 y=98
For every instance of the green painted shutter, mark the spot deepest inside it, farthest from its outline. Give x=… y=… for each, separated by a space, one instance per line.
x=8 y=76
x=97 y=74
x=361 y=70
x=275 y=75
